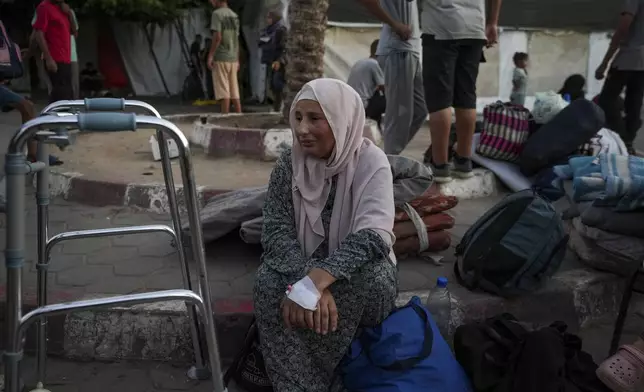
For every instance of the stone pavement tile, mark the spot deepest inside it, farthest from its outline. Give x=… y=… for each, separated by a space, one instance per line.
x=114 y=253
x=63 y=262
x=118 y=265
x=119 y=285
x=83 y=277
x=139 y=266
x=68 y=376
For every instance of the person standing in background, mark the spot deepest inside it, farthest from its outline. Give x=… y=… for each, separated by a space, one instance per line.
x=223 y=58
x=52 y=28
x=399 y=59
x=626 y=72
x=519 y=79
x=74 y=55
x=273 y=44
x=367 y=78
x=203 y=57
x=453 y=39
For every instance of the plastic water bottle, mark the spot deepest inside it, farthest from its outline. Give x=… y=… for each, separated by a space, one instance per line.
x=439 y=304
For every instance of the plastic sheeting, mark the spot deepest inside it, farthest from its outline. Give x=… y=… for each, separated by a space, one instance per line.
x=344 y=47
x=139 y=61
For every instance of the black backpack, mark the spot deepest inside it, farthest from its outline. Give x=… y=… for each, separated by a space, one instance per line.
x=500 y=355
x=560 y=137
x=248 y=369
x=513 y=248
x=487 y=349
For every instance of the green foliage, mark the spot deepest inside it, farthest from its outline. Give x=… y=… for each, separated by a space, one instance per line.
x=156 y=12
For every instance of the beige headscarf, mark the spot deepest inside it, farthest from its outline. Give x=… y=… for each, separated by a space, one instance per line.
x=364 y=195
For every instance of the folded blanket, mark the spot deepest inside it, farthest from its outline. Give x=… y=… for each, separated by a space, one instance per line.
x=438 y=241
x=604 y=218
x=434 y=222
x=428 y=204
x=609 y=179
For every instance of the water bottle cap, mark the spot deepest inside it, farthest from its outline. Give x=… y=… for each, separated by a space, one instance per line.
x=441 y=282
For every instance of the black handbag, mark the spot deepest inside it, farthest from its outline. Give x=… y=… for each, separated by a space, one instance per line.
x=248 y=369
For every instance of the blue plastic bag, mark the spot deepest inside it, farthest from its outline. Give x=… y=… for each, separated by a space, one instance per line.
x=405 y=353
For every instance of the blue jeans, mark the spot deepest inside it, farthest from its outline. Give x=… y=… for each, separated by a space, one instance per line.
x=8 y=97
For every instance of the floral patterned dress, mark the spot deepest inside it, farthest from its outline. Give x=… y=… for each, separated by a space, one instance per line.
x=365 y=292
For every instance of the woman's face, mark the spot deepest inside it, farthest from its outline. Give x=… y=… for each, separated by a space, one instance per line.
x=312 y=129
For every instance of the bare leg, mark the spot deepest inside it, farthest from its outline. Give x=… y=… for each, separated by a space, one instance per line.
x=236 y=105
x=225 y=105
x=439 y=125
x=465 y=124
x=26 y=109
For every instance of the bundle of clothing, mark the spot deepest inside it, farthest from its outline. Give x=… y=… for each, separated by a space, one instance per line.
x=607 y=214
x=422 y=224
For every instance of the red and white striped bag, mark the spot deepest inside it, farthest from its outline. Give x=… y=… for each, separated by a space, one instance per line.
x=506 y=128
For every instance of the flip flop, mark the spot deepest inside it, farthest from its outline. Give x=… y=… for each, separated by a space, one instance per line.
x=53 y=160
x=624 y=371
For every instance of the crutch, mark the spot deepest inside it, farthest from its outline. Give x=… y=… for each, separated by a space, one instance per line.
x=16 y=167
x=46 y=244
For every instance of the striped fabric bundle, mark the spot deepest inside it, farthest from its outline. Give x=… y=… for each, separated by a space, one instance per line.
x=506 y=128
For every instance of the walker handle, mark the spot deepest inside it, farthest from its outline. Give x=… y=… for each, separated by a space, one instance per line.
x=104 y=104
x=106 y=122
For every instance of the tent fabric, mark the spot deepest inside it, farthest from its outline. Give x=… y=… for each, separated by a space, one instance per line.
x=139 y=61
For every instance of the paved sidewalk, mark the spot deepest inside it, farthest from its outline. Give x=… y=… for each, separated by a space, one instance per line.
x=68 y=376
x=136 y=263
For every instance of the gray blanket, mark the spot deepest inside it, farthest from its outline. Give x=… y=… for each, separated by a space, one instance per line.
x=243 y=208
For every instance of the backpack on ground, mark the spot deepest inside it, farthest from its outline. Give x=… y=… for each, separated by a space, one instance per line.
x=405 y=353
x=248 y=369
x=487 y=349
x=500 y=355
x=560 y=137
x=11 y=66
x=513 y=248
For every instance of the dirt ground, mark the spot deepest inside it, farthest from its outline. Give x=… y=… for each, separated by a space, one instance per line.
x=261 y=121
x=127 y=157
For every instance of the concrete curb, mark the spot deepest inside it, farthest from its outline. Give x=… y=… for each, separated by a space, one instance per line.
x=264 y=144
x=161 y=332
x=79 y=188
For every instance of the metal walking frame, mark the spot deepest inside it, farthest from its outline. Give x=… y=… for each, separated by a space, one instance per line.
x=57 y=116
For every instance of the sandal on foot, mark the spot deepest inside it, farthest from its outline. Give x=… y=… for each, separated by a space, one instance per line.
x=624 y=371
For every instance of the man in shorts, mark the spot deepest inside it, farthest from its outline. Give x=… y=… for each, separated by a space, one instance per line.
x=453 y=39
x=223 y=58
x=53 y=26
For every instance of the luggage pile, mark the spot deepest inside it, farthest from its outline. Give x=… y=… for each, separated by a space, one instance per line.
x=422 y=224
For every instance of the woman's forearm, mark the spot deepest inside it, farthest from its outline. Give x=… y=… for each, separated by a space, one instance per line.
x=321 y=278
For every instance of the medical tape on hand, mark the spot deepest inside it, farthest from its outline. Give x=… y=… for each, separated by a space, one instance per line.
x=304 y=293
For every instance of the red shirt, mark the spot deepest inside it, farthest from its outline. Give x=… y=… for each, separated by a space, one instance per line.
x=54 y=23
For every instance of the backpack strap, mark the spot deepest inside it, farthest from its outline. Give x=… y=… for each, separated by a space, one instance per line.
x=251 y=336
x=406 y=364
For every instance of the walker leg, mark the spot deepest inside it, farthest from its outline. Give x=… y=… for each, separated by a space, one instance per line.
x=192 y=205
x=200 y=370
x=42 y=201
x=14 y=260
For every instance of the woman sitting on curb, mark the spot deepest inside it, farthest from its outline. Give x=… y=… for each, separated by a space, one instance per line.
x=327 y=239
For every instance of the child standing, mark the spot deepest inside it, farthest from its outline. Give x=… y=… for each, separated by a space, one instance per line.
x=519 y=78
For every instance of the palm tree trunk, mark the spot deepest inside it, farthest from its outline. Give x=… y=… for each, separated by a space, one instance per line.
x=304 y=46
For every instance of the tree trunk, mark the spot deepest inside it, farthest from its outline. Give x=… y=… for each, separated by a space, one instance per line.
x=304 y=46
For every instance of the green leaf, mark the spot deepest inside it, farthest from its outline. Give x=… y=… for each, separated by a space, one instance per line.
x=156 y=12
